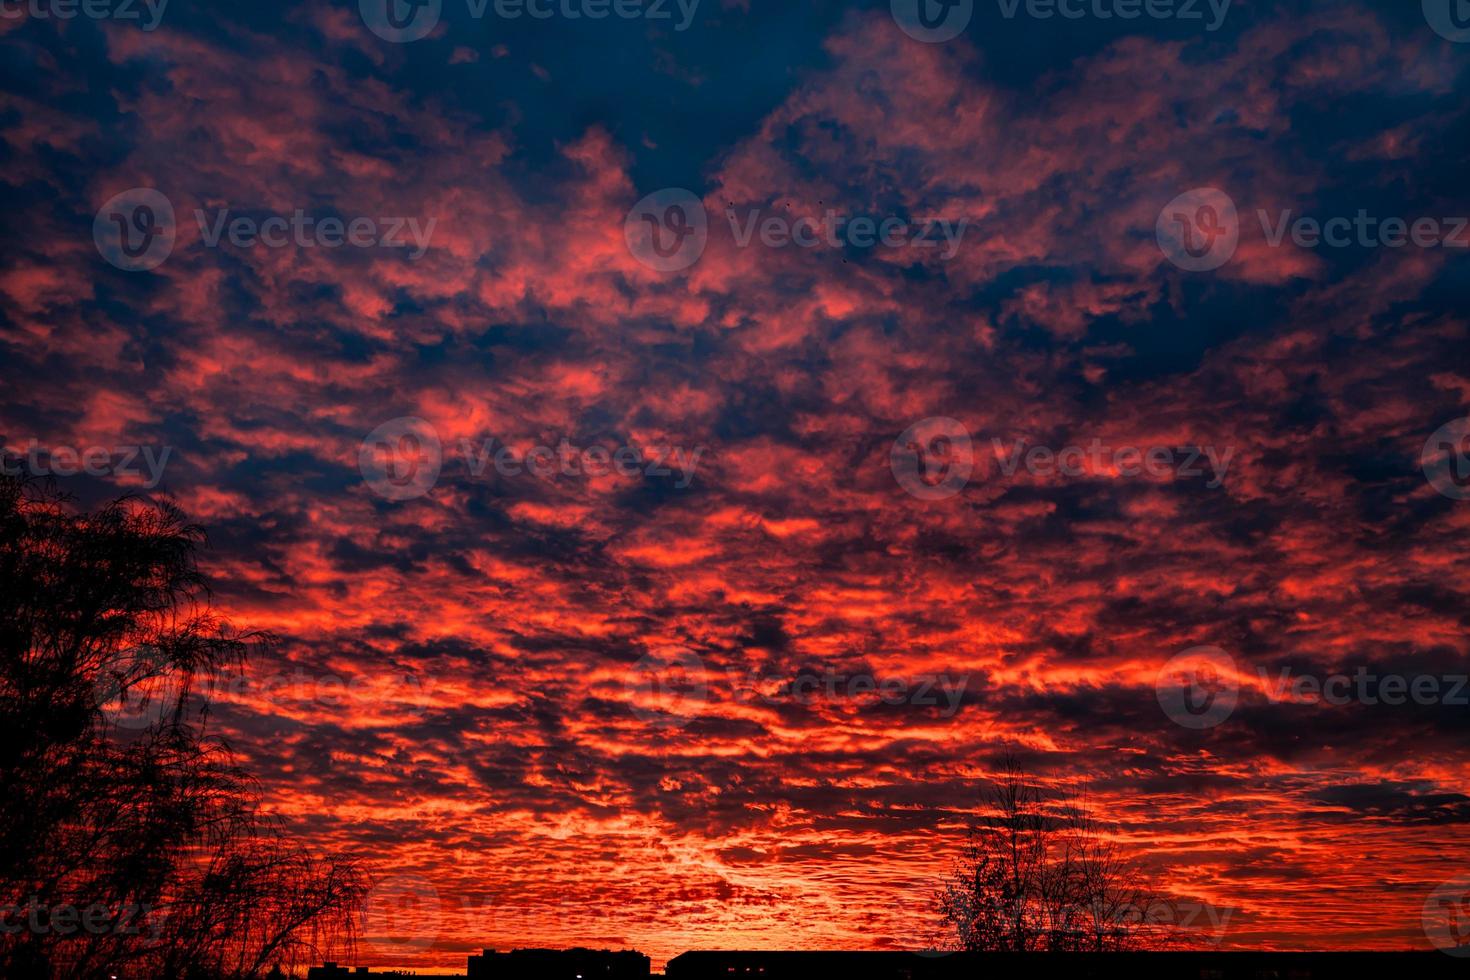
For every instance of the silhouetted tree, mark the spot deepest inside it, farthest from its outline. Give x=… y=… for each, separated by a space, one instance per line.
x=133 y=844
x=1038 y=875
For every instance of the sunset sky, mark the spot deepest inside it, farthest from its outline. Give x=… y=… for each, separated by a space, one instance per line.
x=554 y=708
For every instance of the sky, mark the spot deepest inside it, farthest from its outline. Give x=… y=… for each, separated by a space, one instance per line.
x=682 y=452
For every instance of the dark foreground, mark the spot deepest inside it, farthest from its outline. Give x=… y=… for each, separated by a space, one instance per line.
x=1094 y=966
x=584 y=964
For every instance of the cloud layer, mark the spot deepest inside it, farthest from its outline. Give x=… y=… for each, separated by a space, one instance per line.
x=566 y=711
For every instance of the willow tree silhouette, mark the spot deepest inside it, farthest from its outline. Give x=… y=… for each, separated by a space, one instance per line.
x=1037 y=874
x=133 y=843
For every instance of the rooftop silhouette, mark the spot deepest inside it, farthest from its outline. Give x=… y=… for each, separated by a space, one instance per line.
x=588 y=964
x=551 y=964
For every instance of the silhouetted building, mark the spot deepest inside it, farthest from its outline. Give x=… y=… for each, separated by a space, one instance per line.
x=559 y=964
x=518 y=964
x=755 y=965
x=331 y=971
